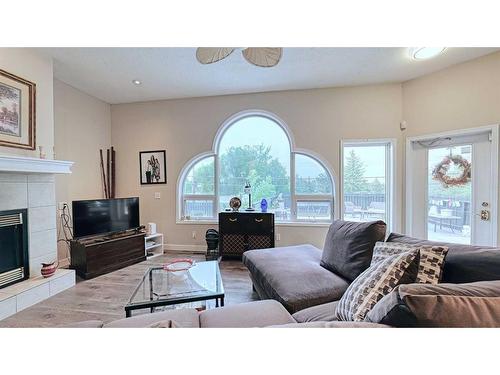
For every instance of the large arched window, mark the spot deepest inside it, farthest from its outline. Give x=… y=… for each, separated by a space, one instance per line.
x=256 y=148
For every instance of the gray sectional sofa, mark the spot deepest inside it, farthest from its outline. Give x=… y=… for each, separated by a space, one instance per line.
x=300 y=287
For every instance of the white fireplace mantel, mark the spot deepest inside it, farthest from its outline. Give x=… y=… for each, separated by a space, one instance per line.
x=21 y=164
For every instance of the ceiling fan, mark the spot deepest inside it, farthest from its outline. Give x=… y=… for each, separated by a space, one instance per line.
x=260 y=56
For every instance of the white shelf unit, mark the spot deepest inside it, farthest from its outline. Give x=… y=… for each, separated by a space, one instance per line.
x=154 y=245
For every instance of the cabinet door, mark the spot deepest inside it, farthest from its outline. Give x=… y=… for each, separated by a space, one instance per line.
x=256 y=241
x=233 y=244
x=259 y=224
x=232 y=223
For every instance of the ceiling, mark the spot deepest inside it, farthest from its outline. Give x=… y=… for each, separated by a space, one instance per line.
x=168 y=73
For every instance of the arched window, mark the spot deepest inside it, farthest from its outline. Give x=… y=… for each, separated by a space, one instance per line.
x=257 y=149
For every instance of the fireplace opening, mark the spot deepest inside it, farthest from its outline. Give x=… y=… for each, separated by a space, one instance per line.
x=14 y=261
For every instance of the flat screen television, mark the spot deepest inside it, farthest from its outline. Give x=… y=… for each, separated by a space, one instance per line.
x=104 y=216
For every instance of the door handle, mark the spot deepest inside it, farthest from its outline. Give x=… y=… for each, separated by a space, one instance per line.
x=485 y=215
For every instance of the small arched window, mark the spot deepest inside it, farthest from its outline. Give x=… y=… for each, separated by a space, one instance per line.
x=256 y=149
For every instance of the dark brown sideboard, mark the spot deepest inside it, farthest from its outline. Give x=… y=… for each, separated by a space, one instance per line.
x=242 y=231
x=94 y=257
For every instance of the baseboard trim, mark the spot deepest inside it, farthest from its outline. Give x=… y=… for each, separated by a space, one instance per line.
x=185 y=248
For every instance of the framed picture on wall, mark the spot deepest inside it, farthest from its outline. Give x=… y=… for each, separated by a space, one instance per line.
x=17 y=111
x=153 y=167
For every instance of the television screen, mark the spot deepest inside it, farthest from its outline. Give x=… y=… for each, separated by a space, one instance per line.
x=93 y=217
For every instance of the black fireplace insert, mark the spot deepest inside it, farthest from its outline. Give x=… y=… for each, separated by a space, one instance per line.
x=14 y=260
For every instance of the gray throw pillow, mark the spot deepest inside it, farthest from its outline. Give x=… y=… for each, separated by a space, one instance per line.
x=374 y=283
x=472 y=305
x=349 y=247
x=431 y=263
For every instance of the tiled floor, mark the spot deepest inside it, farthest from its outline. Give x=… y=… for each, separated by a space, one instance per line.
x=104 y=297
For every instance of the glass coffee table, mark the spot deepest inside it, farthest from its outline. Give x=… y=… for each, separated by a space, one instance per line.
x=158 y=287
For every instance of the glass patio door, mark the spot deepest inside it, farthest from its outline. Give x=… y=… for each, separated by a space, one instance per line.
x=449 y=197
x=450 y=183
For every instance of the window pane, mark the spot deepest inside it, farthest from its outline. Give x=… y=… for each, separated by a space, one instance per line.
x=449 y=208
x=198 y=209
x=314 y=210
x=310 y=176
x=255 y=150
x=364 y=182
x=200 y=178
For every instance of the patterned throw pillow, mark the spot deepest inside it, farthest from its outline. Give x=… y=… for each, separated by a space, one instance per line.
x=431 y=264
x=375 y=282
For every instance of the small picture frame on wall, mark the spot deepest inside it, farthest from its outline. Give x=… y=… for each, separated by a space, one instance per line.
x=17 y=111
x=153 y=167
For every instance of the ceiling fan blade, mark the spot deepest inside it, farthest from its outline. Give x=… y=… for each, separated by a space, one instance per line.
x=263 y=56
x=209 y=55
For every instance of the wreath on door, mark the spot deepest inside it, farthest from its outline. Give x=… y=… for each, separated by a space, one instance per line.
x=440 y=172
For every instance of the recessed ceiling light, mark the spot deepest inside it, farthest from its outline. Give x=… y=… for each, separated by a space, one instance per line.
x=422 y=53
x=136 y=82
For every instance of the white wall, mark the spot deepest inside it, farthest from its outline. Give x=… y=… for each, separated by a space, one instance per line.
x=318 y=119
x=31 y=65
x=82 y=127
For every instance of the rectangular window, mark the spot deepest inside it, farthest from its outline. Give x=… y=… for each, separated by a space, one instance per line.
x=367 y=180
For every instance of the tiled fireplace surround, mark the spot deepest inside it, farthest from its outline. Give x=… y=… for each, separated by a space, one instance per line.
x=36 y=192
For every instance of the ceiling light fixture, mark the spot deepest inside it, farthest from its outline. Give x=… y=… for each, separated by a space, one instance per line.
x=136 y=82
x=422 y=53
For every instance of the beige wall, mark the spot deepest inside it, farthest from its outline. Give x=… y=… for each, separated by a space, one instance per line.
x=82 y=127
x=35 y=67
x=318 y=119
x=462 y=96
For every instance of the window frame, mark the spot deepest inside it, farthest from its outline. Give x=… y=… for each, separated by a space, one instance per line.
x=390 y=179
x=295 y=198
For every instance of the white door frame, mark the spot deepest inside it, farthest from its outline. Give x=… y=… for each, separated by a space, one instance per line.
x=494 y=129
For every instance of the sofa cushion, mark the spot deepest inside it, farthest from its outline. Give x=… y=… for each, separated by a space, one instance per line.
x=325 y=313
x=246 y=315
x=464 y=263
x=334 y=324
x=293 y=276
x=349 y=246
x=444 y=305
x=430 y=267
x=165 y=324
x=378 y=280
x=186 y=318
x=85 y=324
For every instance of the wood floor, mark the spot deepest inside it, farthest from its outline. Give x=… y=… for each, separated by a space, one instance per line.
x=104 y=297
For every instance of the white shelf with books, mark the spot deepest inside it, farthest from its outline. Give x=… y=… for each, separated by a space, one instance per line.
x=154 y=245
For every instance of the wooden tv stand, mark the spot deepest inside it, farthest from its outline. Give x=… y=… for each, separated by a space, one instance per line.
x=99 y=255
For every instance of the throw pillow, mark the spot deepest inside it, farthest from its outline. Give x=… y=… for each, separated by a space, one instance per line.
x=349 y=247
x=431 y=264
x=374 y=283
x=470 y=305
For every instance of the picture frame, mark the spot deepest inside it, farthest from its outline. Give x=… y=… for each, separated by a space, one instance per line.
x=17 y=112
x=153 y=167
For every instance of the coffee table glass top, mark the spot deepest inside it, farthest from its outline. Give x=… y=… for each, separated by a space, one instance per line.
x=202 y=280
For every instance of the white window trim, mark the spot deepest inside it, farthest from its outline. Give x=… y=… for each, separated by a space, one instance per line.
x=391 y=167
x=293 y=151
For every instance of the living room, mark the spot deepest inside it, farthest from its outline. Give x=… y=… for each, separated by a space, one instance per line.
x=177 y=185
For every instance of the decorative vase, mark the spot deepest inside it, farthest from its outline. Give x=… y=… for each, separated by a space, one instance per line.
x=48 y=269
x=263 y=205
